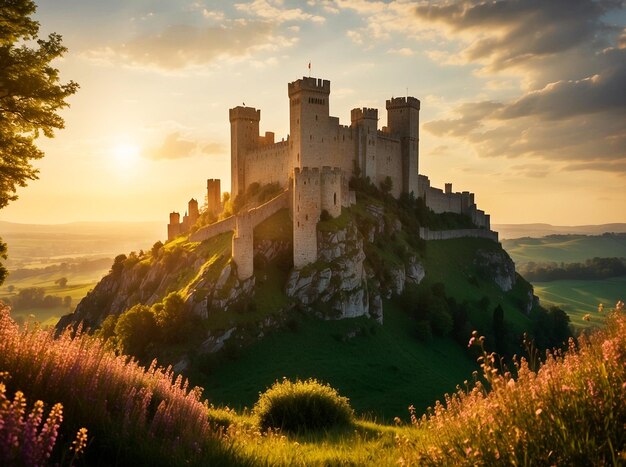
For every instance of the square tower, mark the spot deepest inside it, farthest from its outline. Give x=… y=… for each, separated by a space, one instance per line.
x=308 y=122
x=403 y=119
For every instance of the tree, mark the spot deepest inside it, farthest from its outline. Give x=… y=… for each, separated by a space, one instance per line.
x=3 y=255
x=30 y=97
x=61 y=282
x=135 y=330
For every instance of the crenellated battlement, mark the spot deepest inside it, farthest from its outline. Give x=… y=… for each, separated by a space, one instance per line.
x=244 y=113
x=364 y=113
x=309 y=84
x=401 y=102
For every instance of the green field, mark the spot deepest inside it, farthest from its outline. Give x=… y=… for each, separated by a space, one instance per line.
x=579 y=298
x=77 y=287
x=565 y=248
x=381 y=366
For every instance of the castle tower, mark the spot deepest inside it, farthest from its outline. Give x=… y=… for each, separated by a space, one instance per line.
x=243 y=246
x=366 y=123
x=403 y=122
x=306 y=213
x=330 y=190
x=213 y=198
x=173 y=228
x=244 y=136
x=308 y=122
x=194 y=213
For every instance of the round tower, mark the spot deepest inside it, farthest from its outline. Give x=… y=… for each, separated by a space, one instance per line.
x=308 y=122
x=243 y=246
x=244 y=136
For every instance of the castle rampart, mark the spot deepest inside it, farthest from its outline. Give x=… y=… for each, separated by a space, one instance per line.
x=426 y=234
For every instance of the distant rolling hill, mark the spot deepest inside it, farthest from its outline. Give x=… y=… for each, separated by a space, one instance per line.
x=511 y=231
x=565 y=248
x=37 y=245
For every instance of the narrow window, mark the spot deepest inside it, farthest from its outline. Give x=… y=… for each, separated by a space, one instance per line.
x=335 y=198
x=306 y=217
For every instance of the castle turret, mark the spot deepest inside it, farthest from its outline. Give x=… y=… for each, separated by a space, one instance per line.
x=366 y=123
x=330 y=190
x=308 y=122
x=244 y=136
x=306 y=213
x=194 y=213
x=173 y=228
x=213 y=198
x=403 y=122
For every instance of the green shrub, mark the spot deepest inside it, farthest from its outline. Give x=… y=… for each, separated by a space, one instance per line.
x=302 y=406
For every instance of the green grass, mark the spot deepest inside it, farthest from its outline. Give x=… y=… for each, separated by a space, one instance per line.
x=77 y=287
x=382 y=369
x=565 y=248
x=579 y=298
x=451 y=262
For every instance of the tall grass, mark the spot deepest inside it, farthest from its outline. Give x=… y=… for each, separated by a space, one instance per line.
x=571 y=411
x=135 y=415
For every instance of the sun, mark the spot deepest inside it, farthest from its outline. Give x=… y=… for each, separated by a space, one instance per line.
x=125 y=154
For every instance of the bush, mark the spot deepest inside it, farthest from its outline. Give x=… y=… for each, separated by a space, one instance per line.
x=302 y=406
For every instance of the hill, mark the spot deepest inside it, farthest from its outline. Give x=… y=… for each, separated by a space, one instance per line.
x=40 y=245
x=391 y=308
x=565 y=248
x=513 y=231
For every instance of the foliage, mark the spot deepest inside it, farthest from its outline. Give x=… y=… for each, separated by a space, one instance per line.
x=570 y=411
x=302 y=406
x=156 y=248
x=35 y=297
x=29 y=439
x=596 y=268
x=61 y=282
x=135 y=330
x=136 y=416
x=30 y=96
x=3 y=255
x=140 y=330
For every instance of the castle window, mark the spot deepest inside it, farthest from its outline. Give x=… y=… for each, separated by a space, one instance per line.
x=311 y=137
x=306 y=217
x=316 y=118
x=335 y=198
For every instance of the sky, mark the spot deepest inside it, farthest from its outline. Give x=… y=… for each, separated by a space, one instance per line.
x=523 y=102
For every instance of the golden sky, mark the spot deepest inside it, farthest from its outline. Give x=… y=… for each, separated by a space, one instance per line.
x=523 y=101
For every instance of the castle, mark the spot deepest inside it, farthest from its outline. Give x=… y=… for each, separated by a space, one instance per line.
x=314 y=164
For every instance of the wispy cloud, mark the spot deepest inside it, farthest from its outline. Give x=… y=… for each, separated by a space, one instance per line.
x=175 y=146
x=182 y=46
x=275 y=11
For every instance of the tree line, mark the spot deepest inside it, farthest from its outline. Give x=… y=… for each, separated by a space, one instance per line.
x=596 y=268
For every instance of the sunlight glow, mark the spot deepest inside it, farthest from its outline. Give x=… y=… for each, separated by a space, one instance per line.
x=125 y=154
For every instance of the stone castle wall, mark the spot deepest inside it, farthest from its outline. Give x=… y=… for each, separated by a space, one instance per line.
x=211 y=230
x=268 y=164
x=427 y=234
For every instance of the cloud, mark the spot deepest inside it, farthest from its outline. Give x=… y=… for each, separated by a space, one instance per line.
x=181 y=46
x=273 y=10
x=573 y=108
x=511 y=32
x=404 y=51
x=173 y=147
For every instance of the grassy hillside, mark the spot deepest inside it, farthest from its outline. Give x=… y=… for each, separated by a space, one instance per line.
x=581 y=298
x=565 y=248
x=569 y=411
x=382 y=368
